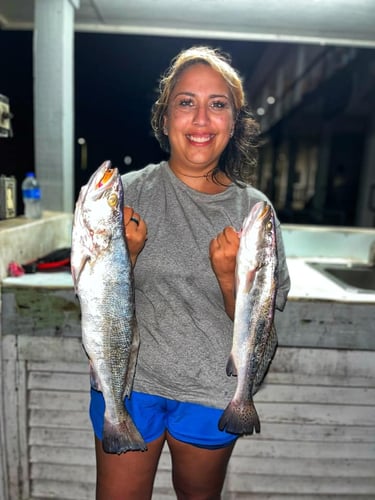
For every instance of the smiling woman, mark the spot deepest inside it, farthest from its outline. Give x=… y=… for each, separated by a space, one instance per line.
x=202 y=94
x=185 y=302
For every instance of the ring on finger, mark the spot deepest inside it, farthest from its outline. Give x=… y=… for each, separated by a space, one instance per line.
x=135 y=220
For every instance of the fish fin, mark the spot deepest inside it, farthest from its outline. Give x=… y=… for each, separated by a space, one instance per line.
x=122 y=437
x=240 y=418
x=231 y=367
x=78 y=262
x=132 y=362
x=250 y=275
x=264 y=366
x=94 y=379
x=84 y=348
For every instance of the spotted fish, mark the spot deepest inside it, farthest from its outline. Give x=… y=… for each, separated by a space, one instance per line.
x=254 y=335
x=103 y=281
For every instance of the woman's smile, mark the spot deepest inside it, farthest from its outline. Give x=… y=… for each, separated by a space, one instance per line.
x=200 y=140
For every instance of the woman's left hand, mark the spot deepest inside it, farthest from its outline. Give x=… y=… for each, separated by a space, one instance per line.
x=223 y=252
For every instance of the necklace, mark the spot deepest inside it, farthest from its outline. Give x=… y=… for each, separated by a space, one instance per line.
x=206 y=175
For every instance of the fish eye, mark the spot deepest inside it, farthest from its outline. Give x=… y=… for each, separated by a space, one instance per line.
x=269 y=226
x=112 y=200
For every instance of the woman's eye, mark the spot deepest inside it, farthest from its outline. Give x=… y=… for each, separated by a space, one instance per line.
x=219 y=105
x=186 y=103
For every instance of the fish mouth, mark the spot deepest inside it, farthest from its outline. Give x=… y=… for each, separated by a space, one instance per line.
x=262 y=211
x=105 y=176
x=259 y=212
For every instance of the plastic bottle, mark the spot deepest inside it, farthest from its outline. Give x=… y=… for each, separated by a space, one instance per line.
x=31 y=197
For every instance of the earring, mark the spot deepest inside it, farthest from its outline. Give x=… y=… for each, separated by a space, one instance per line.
x=231 y=132
x=165 y=130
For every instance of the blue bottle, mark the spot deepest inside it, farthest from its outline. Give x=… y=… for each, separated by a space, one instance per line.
x=31 y=196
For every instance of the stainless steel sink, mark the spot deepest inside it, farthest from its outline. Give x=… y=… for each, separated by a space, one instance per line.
x=358 y=277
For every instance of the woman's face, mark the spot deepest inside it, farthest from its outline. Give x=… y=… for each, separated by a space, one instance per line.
x=199 y=119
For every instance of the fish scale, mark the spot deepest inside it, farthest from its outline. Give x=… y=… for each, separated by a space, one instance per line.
x=103 y=280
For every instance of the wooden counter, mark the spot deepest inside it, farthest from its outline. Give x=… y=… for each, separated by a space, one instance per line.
x=317 y=407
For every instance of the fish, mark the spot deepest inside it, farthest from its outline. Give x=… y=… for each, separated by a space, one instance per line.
x=254 y=335
x=103 y=281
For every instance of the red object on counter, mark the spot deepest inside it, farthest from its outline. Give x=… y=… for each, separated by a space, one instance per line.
x=15 y=270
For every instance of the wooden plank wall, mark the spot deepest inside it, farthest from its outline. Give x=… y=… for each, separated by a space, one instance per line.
x=60 y=440
x=318 y=427
x=50 y=441
x=318 y=430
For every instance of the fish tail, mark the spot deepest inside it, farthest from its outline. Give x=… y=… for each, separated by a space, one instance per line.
x=240 y=418
x=122 y=437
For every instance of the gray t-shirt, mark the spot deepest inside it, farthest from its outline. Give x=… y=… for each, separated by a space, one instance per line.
x=186 y=335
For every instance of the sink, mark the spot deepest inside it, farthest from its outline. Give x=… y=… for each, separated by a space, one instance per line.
x=358 y=277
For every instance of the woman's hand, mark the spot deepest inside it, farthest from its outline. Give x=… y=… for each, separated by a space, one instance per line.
x=223 y=252
x=135 y=232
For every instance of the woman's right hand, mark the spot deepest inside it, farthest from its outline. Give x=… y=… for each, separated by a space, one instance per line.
x=222 y=253
x=135 y=232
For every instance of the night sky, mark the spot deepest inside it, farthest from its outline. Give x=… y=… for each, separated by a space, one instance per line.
x=116 y=78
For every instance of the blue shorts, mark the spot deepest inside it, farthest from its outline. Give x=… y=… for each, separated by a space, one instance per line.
x=153 y=415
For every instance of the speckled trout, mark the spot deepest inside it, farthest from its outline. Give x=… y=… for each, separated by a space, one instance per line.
x=103 y=281
x=254 y=335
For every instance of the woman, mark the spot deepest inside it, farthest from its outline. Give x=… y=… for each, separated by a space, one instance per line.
x=184 y=276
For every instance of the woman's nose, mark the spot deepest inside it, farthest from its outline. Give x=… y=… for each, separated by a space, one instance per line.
x=201 y=115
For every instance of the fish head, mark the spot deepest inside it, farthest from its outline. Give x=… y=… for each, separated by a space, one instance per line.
x=258 y=228
x=257 y=242
x=98 y=217
x=101 y=200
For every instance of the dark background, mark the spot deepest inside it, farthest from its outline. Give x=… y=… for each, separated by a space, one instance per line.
x=116 y=79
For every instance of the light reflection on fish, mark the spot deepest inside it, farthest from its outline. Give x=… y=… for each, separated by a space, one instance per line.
x=103 y=280
x=254 y=335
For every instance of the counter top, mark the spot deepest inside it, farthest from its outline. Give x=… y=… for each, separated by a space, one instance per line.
x=309 y=283
x=24 y=240
x=57 y=279
x=306 y=284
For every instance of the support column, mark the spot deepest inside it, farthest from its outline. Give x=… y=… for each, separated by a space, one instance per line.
x=54 y=101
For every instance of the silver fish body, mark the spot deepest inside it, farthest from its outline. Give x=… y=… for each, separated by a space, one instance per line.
x=103 y=281
x=254 y=335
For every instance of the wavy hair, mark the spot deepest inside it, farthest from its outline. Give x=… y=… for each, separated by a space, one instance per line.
x=240 y=157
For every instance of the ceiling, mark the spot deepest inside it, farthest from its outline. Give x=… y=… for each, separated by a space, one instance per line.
x=338 y=22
